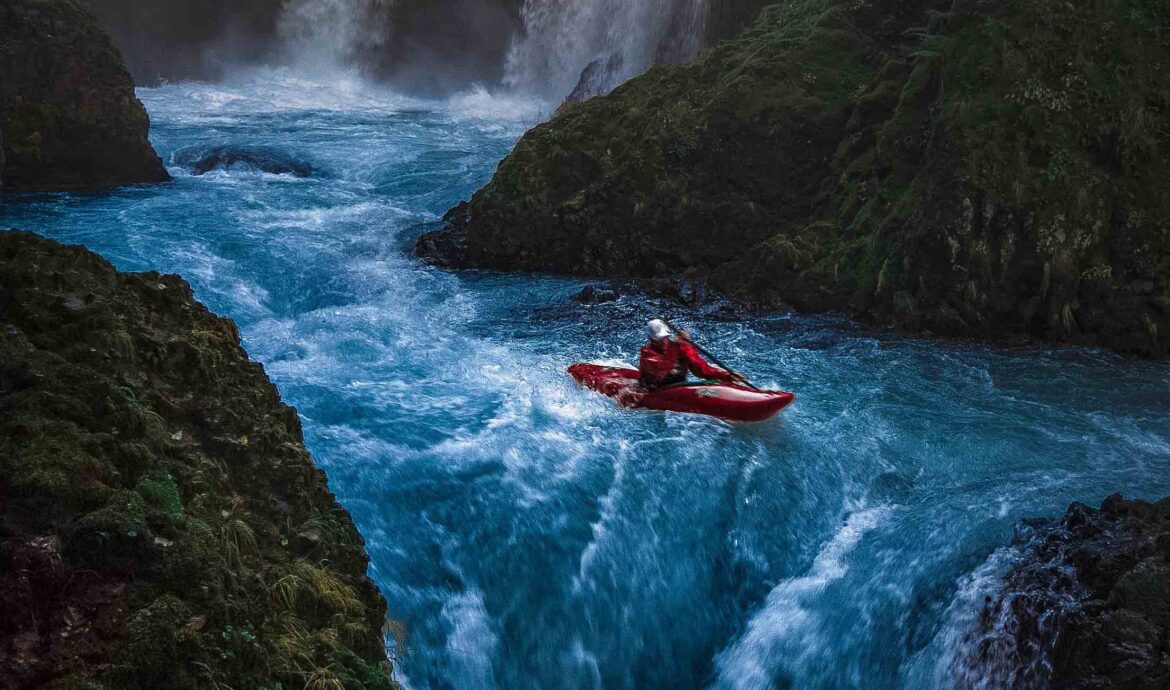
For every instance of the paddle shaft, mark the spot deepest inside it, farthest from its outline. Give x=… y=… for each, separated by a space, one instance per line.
x=714 y=360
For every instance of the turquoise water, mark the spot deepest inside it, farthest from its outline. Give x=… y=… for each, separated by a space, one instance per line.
x=530 y=534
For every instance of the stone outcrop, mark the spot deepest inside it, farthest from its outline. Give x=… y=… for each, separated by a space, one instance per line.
x=596 y=78
x=1087 y=606
x=987 y=168
x=67 y=105
x=161 y=523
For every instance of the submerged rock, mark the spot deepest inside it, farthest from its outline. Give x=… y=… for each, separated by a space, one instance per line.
x=592 y=294
x=67 y=104
x=161 y=522
x=1088 y=605
x=990 y=169
x=244 y=158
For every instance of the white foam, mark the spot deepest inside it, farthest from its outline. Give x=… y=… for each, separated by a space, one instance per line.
x=599 y=529
x=787 y=628
x=587 y=661
x=267 y=89
x=472 y=642
x=496 y=107
x=942 y=662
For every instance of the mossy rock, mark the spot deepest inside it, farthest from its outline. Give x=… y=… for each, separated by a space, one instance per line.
x=999 y=165
x=163 y=638
x=67 y=105
x=154 y=492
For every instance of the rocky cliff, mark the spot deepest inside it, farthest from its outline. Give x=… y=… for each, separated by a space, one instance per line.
x=988 y=168
x=161 y=523
x=67 y=106
x=1087 y=606
x=188 y=39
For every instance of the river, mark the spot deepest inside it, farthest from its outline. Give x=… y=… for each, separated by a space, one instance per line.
x=530 y=534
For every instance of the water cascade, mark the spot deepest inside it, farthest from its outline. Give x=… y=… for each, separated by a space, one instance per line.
x=563 y=38
x=560 y=46
x=528 y=534
x=330 y=34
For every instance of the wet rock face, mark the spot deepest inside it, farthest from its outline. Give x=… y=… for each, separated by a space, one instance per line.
x=67 y=106
x=446 y=248
x=938 y=166
x=596 y=78
x=188 y=39
x=161 y=523
x=1088 y=606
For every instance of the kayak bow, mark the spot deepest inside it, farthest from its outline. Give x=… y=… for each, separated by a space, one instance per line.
x=730 y=401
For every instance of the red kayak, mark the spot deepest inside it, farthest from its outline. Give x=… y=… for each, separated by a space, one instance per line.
x=729 y=401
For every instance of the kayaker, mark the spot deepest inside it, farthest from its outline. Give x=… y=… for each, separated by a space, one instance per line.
x=665 y=361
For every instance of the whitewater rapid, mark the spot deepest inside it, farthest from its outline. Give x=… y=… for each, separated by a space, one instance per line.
x=529 y=534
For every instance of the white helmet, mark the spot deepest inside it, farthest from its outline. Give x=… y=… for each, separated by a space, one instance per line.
x=658 y=329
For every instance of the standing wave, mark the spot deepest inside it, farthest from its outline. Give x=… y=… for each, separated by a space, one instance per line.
x=786 y=633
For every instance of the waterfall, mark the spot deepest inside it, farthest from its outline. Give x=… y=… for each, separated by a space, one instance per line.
x=562 y=39
x=593 y=45
x=332 y=34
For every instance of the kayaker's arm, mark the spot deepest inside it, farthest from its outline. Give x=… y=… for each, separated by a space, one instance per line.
x=699 y=366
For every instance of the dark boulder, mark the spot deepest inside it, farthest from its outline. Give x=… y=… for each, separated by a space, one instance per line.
x=1087 y=605
x=67 y=105
x=447 y=246
x=592 y=294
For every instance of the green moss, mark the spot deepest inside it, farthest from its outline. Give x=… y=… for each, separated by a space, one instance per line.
x=58 y=464
x=161 y=638
x=160 y=490
x=25 y=128
x=178 y=486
